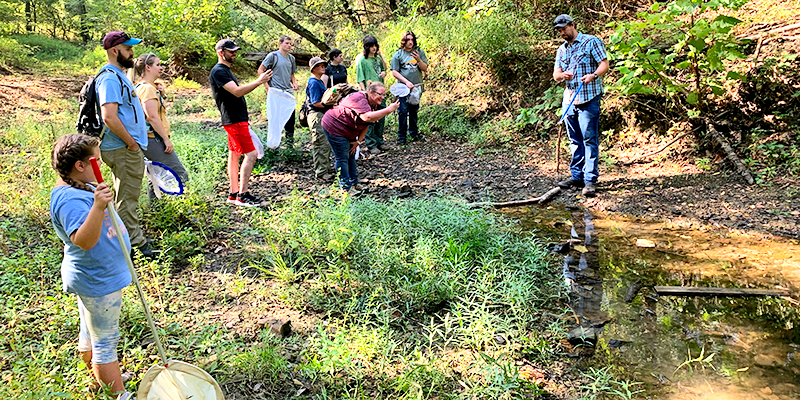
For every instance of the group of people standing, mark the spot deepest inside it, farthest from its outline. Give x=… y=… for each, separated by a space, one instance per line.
x=135 y=126
x=339 y=130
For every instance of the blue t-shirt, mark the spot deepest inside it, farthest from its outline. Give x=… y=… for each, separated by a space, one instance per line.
x=102 y=269
x=314 y=91
x=130 y=110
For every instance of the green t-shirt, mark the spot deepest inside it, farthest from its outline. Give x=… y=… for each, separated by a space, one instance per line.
x=369 y=69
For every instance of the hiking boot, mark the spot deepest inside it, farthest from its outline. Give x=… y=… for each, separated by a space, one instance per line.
x=589 y=190
x=568 y=183
x=232 y=198
x=247 y=200
x=383 y=147
x=147 y=250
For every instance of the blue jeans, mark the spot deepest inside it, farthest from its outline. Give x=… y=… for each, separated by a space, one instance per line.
x=345 y=163
x=407 y=120
x=583 y=123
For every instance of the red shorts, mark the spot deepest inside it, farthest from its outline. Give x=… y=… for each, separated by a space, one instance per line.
x=239 y=140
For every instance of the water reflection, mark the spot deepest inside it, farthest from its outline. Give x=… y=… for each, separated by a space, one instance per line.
x=755 y=342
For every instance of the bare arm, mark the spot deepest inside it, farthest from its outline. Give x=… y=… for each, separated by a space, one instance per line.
x=112 y=121
x=374 y=116
x=88 y=234
x=400 y=78
x=295 y=86
x=151 y=116
x=261 y=70
x=601 y=70
x=240 y=91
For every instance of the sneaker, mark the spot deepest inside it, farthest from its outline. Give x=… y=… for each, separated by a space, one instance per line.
x=126 y=396
x=589 y=190
x=247 y=200
x=568 y=183
x=232 y=198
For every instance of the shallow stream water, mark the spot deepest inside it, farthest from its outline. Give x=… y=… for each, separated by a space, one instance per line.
x=665 y=342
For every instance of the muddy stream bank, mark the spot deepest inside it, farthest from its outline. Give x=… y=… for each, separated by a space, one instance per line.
x=677 y=347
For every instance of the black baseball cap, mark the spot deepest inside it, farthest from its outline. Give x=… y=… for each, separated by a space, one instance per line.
x=226 y=44
x=562 y=21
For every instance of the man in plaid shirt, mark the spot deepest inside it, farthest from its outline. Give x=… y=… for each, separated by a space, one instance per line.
x=580 y=62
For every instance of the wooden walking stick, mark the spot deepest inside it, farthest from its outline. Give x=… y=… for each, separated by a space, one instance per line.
x=558 y=150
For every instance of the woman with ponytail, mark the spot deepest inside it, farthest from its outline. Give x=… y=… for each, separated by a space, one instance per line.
x=146 y=69
x=93 y=267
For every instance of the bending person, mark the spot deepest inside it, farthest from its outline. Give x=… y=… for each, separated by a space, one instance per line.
x=146 y=69
x=346 y=124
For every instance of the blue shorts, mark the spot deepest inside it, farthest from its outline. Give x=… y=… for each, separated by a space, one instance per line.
x=100 y=326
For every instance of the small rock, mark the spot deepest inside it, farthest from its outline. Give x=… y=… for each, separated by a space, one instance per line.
x=280 y=328
x=765 y=361
x=584 y=336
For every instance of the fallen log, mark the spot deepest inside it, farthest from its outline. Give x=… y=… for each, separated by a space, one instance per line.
x=715 y=291
x=536 y=200
x=731 y=155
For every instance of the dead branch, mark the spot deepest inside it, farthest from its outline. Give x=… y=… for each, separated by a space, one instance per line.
x=681 y=136
x=772 y=32
x=731 y=155
x=536 y=200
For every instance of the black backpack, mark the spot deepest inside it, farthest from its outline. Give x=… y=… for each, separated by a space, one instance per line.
x=90 y=121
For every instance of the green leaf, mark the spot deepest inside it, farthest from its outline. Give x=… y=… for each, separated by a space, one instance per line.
x=692 y=98
x=655 y=7
x=683 y=65
x=735 y=75
x=717 y=90
x=697 y=44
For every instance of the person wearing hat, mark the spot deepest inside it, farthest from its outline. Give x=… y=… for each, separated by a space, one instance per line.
x=580 y=62
x=229 y=96
x=320 y=148
x=124 y=132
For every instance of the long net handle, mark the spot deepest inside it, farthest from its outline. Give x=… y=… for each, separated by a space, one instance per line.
x=113 y=215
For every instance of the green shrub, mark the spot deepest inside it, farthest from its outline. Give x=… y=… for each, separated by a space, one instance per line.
x=495 y=133
x=45 y=48
x=14 y=55
x=451 y=121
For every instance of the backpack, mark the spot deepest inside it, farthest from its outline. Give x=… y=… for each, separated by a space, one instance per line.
x=305 y=109
x=272 y=61
x=335 y=94
x=90 y=121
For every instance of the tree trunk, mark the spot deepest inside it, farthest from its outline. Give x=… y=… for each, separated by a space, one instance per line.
x=28 y=17
x=288 y=21
x=83 y=24
x=351 y=15
x=393 y=5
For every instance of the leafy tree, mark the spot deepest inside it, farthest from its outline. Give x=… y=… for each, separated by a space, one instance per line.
x=678 y=48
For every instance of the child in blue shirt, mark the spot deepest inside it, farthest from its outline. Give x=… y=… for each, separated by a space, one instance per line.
x=94 y=267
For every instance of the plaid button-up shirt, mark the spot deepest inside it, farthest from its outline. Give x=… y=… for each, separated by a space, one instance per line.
x=581 y=57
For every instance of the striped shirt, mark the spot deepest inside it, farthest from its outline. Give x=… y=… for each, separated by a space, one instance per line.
x=581 y=57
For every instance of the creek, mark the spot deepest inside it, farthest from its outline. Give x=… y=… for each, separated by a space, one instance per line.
x=678 y=347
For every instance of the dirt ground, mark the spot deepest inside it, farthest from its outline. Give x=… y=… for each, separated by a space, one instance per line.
x=667 y=190
x=672 y=188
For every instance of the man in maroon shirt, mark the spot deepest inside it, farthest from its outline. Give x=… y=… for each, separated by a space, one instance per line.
x=346 y=124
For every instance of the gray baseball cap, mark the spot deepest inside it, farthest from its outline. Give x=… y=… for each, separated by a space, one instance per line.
x=562 y=21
